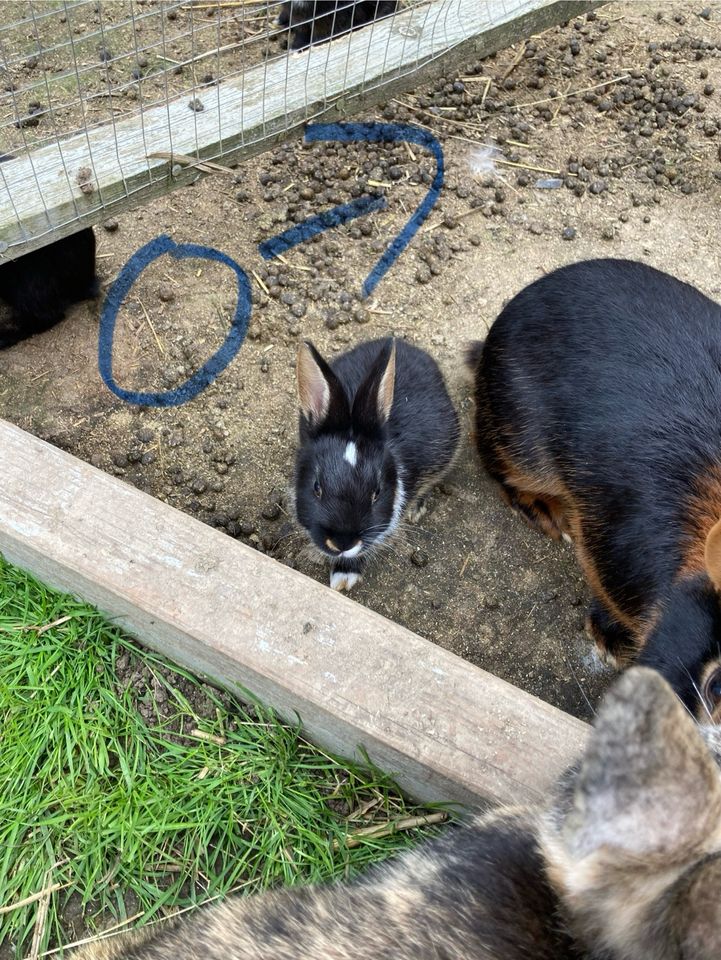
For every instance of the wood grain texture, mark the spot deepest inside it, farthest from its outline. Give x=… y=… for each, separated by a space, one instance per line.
x=40 y=196
x=444 y=728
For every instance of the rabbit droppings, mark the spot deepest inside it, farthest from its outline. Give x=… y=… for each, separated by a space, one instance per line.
x=598 y=412
x=377 y=430
x=315 y=21
x=625 y=865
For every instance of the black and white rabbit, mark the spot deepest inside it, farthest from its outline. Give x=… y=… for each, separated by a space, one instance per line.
x=315 y=21
x=42 y=284
x=377 y=430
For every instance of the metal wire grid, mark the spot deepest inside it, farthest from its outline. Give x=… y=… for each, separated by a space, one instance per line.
x=70 y=68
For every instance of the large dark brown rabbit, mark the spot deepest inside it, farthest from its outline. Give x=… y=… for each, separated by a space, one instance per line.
x=625 y=865
x=598 y=412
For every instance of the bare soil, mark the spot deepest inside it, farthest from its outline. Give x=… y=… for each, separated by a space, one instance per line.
x=67 y=66
x=637 y=153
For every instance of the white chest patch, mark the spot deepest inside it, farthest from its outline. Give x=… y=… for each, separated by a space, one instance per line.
x=353 y=552
x=351 y=454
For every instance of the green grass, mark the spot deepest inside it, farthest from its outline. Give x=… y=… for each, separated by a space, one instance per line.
x=108 y=791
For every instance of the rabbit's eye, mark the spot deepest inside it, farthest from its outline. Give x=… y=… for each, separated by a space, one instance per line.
x=317 y=489
x=376 y=493
x=712 y=689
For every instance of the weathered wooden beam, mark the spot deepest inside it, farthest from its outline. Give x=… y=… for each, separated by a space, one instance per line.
x=445 y=729
x=40 y=194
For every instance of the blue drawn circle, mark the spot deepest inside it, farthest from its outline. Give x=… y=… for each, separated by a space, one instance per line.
x=119 y=291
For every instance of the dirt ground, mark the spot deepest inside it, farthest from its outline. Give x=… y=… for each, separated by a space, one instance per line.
x=637 y=151
x=63 y=66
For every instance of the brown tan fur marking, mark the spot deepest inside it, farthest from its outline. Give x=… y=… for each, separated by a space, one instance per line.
x=702 y=515
x=564 y=516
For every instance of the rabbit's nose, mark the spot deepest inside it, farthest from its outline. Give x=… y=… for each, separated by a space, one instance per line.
x=354 y=550
x=346 y=544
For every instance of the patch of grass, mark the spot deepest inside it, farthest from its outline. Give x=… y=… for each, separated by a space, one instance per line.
x=128 y=788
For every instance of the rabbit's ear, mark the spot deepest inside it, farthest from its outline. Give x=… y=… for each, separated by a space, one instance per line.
x=374 y=399
x=323 y=401
x=648 y=785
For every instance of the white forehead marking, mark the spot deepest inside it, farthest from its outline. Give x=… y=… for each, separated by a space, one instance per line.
x=351 y=454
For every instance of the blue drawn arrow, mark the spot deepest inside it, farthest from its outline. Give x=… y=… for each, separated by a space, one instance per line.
x=318 y=224
x=373 y=133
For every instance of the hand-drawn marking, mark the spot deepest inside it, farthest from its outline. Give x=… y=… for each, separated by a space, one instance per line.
x=323 y=221
x=341 y=132
x=388 y=133
x=119 y=291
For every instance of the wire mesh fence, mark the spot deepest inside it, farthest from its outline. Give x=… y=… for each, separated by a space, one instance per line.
x=104 y=104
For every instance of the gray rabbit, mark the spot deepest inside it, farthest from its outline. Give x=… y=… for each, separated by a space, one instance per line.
x=625 y=865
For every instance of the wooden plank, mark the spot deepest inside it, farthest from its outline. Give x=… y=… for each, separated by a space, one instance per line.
x=444 y=728
x=40 y=195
